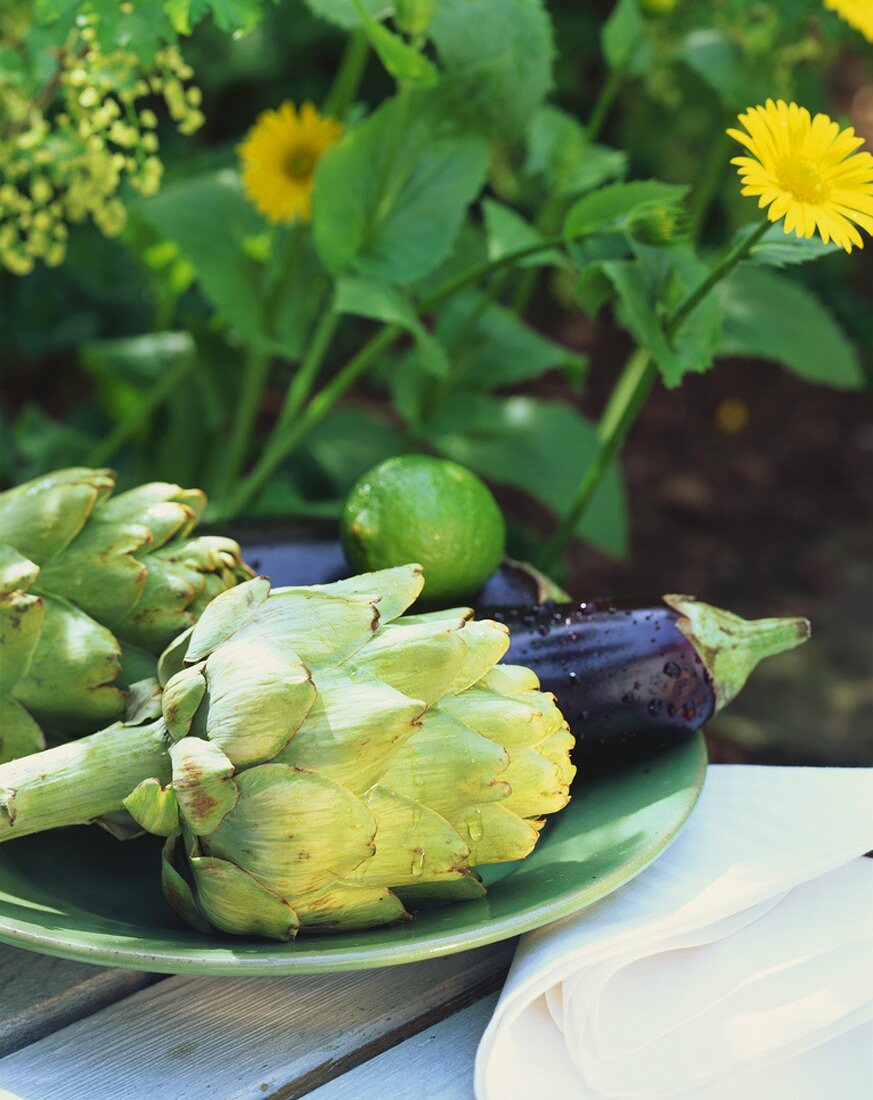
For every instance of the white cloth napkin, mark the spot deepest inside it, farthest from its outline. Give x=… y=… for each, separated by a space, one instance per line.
x=738 y=966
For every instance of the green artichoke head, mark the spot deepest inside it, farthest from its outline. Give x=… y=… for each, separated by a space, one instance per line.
x=336 y=763
x=92 y=587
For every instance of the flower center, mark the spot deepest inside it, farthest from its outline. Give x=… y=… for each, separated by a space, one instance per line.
x=803 y=180
x=300 y=163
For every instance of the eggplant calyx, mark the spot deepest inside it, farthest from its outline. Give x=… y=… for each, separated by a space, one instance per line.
x=730 y=646
x=546 y=588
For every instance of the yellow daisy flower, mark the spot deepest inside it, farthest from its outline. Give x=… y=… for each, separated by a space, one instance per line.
x=857 y=13
x=807 y=171
x=279 y=157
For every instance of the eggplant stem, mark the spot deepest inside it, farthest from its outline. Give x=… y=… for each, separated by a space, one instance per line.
x=731 y=647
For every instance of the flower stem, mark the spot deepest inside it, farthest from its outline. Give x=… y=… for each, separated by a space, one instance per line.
x=625 y=402
x=256 y=370
x=75 y=783
x=254 y=380
x=721 y=269
x=440 y=388
x=282 y=442
x=549 y=220
x=629 y=396
x=279 y=447
x=349 y=75
x=609 y=89
x=304 y=378
x=486 y=268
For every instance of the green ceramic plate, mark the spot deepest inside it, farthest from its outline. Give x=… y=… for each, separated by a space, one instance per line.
x=86 y=896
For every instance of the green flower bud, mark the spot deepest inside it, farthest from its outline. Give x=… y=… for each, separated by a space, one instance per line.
x=414 y=17
x=659 y=225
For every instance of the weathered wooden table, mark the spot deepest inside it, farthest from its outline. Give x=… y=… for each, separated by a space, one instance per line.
x=70 y=1031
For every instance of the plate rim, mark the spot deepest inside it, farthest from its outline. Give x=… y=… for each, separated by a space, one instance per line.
x=17 y=933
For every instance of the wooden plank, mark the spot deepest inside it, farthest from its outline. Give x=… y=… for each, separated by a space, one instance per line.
x=437 y=1064
x=238 y=1038
x=39 y=994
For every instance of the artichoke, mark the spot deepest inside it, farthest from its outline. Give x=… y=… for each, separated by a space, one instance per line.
x=92 y=587
x=317 y=760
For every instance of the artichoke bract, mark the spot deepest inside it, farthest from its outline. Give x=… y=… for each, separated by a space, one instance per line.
x=92 y=588
x=318 y=760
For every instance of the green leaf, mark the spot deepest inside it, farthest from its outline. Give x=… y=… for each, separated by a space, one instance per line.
x=229 y=15
x=559 y=150
x=650 y=292
x=47 y=444
x=236 y=284
x=343 y=12
x=498 y=57
x=405 y=63
x=593 y=289
x=382 y=302
x=508 y=231
x=612 y=206
x=189 y=214
x=136 y=360
x=500 y=349
x=391 y=195
x=376 y=300
x=469 y=249
x=624 y=35
x=125 y=369
x=770 y=316
x=348 y=443
x=409 y=385
x=179 y=14
x=711 y=55
x=283 y=498
x=138 y=28
x=780 y=249
x=541 y=447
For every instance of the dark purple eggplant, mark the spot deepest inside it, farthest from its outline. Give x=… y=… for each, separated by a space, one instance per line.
x=626 y=672
x=626 y=675
x=516 y=584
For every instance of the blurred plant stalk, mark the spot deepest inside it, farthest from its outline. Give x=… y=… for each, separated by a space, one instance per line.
x=629 y=395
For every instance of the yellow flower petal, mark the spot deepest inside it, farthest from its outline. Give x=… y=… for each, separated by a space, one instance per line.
x=857 y=13
x=806 y=170
x=279 y=157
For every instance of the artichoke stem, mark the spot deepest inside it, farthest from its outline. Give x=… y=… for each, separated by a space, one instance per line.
x=730 y=646
x=78 y=782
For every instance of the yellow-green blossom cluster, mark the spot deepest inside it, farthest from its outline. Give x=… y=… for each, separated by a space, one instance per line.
x=65 y=152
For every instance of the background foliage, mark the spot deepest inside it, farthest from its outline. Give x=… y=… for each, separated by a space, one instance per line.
x=503 y=164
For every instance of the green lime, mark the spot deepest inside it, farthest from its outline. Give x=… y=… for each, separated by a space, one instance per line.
x=428 y=510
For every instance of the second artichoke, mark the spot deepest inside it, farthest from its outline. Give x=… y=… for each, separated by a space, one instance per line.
x=92 y=587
